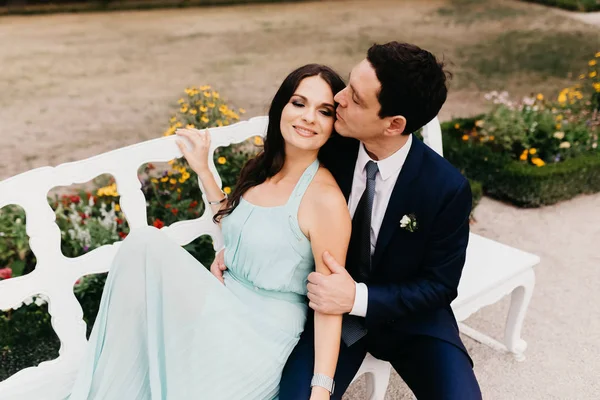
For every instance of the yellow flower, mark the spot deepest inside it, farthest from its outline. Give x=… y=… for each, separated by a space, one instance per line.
x=523 y=157
x=190 y=126
x=558 y=126
x=592 y=74
x=479 y=123
x=221 y=160
x=597 y=54
x=173 y=119
x=227 y=189
x=559 y=117
x=181 y=101
x=540 y=97
x=492 y=138
x=582 y=76
x=465 y=137
x=178 y=124
x=172 y=181
x=538 y=161
x=186 y=175
x=204 y=119
x=206 y=94
x=211 y=105
x=456 y=126
x=184 y=109
x=203 y=109
x=171 y=162
x=597 y=86
x=219 y=122
x=178 y=190
x=154 y=180
x=258 y=141
x=242 y=111
x=592 y=63
x=532 y=151
x=205 y=87
x=193 y=111
x=181 y=180
x=164 y=179
x=223 y=108
x=117 y=208
x=215 y=95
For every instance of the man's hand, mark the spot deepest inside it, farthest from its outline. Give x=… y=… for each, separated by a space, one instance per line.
x=331 y=294
x=218 y=266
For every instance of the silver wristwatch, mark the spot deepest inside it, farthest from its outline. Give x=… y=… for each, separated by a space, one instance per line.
x=323 y=381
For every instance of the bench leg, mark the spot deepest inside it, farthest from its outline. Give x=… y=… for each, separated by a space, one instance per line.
x=377 y=383
x=518 y=307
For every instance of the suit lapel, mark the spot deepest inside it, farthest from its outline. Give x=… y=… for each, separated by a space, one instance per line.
x=399 y=198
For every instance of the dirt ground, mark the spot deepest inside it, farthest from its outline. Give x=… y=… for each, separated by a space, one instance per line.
x=75 y=85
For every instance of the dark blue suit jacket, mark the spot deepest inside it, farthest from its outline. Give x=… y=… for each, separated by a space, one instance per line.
x=414 y=275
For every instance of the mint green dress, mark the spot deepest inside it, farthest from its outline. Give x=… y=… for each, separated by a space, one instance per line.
x=168 y=329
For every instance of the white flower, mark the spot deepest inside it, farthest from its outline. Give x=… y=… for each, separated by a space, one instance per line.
x=405 y=221
x=565 y=145
x=559 y=135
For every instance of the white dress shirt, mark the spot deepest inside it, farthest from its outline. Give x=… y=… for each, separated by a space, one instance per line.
x=385 y=180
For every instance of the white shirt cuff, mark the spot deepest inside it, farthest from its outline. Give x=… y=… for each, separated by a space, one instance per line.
x=361 y=300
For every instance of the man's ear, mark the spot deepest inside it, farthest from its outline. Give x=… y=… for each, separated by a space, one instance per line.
x=396 y=126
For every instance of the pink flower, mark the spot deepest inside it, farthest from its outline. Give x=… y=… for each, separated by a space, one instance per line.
x=5 y=273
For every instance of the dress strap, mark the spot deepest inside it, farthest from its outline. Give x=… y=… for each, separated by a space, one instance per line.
x=303 y=183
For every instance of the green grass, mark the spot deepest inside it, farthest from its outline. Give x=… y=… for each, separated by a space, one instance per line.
x=573 y=5
x=121 y=5
x=545 y=54
x=472 y=11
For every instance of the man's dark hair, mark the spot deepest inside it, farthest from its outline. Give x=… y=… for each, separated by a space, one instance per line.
x=413 y=83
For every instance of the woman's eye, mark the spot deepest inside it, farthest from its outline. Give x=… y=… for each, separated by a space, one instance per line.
x=297 y=104
x=326 y=113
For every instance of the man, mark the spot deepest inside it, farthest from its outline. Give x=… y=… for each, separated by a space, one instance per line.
x=410 y=230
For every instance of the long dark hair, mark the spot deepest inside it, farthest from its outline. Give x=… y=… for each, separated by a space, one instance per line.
x=271 y=159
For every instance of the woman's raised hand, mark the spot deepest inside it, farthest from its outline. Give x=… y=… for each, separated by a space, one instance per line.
x=197 y=156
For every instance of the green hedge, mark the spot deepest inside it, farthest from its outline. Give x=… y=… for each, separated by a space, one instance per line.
x=521 y=184
x=573 y=5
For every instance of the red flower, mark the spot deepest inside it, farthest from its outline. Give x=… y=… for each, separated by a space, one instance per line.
x=193 y=204
x=150 y=166
x=167 y=206
x=123 y=235
x=75 y=199
x=88 y=194
x=158 y=223
x=5 y=273
x=119 y=221
x=174 y=211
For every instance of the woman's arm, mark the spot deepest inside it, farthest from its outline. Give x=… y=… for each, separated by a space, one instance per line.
x=330 y=231
x=197 y=157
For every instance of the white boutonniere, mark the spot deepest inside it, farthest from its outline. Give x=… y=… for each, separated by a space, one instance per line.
x=409 y=222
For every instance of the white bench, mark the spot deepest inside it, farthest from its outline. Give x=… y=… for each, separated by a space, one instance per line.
x=492 y=270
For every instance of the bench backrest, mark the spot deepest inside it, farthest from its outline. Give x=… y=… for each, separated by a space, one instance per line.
x=55 y=274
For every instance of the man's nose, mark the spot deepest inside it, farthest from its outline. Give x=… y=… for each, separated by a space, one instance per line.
x=340 y=98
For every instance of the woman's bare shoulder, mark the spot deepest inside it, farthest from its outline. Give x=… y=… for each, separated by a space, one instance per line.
x=325 y=192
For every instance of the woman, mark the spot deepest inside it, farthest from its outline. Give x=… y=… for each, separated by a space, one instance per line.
x=168 y=329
